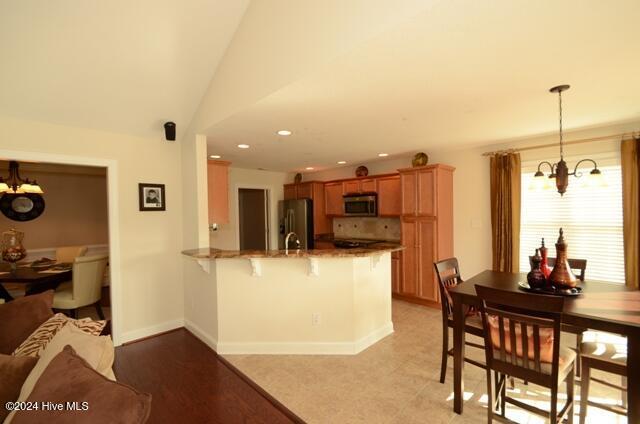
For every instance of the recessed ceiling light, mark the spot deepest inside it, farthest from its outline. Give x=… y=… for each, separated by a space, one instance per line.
x=215 y=156
x=243 y=146
x=284 y=132
x=382 y=155
x=309 y=168
x=342 y=162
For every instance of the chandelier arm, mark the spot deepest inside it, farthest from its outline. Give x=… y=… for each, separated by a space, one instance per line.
x=551 y=166
x=577 y=174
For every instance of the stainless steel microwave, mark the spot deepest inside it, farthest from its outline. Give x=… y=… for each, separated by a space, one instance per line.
x=361 y=204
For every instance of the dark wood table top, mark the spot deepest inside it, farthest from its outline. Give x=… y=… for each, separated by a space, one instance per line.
x=26 y=274
x=613 y=305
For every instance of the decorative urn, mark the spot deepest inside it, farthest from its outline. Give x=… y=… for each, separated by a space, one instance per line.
x=12 y=249
x=561 y=276
x=535 y=277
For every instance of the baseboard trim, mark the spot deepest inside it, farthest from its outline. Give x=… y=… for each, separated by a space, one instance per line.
x=300 y=348
x=154 y=330
x=201 y=334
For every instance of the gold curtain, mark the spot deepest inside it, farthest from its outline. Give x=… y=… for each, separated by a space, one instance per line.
x=630 y=153
x=505 y=211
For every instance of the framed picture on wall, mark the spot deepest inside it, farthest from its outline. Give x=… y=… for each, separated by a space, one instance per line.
x=151 y=197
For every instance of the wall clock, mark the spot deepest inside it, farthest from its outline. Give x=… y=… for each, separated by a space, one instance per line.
x=22 y=206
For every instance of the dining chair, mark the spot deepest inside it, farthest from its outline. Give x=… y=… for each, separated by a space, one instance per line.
x=579 y=265
x=85 y=288
x=448 y=273
x=605 y=352
x=68 y=254
x=522 y=340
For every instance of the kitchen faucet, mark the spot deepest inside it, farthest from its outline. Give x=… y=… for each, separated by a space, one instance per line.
x=286 y=242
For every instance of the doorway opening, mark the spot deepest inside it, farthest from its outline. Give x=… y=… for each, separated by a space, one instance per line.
x=253 y=218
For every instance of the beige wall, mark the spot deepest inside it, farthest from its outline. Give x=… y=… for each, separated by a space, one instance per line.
x=472 y=214
x=226 y=237
x=151 y=289
x=75 y=209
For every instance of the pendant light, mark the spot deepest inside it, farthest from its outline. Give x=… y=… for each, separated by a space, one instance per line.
x=15 y=184
x=560 y=170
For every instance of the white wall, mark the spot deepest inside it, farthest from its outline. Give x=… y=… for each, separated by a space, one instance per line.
x=472 y=214
x=151 y=278
x=226 y=237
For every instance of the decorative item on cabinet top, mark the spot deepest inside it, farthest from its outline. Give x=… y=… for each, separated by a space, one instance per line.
x=298 y=178
x=362 y=171
x=420 y=159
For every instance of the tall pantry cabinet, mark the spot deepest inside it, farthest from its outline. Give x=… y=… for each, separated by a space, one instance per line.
x=426 y=223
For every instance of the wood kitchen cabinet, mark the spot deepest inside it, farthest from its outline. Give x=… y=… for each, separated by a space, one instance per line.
x=389 y=196
x=426 y=229
x=334 y=203
x=218 y=191
x=313 y=190
x=360 y=185
x=396 y=271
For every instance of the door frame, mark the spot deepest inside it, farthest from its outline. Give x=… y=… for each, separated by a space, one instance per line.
x=113 y=219
x=236 y=209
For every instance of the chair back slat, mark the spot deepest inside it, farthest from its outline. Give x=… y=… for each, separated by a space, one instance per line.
x=515 y=346
x=525 y=346
x=448 y=273
x=512 y=336
x=536 y=346
x=579 y=265
x=503 y=350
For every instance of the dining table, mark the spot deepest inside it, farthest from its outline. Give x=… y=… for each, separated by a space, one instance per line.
x=36 y=280
x=602 y=306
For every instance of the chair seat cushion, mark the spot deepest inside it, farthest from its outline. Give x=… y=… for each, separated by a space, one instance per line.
x=566 y=358
x=19 y=318
x=605 y=347
x=63 y=298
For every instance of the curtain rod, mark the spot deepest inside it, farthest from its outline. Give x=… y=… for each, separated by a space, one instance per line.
x=622 y=136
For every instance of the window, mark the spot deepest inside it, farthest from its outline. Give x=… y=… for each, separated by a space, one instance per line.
x=590 y=216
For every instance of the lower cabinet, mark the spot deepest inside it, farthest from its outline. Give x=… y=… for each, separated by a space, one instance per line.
x=417 y=277
x=396 y=271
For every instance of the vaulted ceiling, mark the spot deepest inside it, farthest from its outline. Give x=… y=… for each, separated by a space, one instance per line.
x=350 y=79
x=117 y=65
x=459 y=73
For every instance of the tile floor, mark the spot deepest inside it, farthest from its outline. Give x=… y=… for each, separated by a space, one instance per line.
x=394 y=381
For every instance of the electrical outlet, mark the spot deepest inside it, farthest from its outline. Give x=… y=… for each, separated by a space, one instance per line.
x=315 y=319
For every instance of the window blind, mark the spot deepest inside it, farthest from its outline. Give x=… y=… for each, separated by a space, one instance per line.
x=590 y=216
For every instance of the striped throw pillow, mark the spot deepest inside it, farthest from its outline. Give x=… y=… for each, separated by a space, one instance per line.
x=37 y=341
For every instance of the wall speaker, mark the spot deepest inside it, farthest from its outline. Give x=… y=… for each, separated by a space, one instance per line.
x=170 y=131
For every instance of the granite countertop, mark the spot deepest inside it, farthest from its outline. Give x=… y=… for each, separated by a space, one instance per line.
x=211 y=253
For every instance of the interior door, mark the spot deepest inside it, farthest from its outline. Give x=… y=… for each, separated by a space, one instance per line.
x=253 y=221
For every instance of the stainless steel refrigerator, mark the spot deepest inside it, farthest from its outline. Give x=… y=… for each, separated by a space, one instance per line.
x=296 y=216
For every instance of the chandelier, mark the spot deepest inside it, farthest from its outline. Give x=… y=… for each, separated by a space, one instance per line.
x=560 y=170
x=15 y=184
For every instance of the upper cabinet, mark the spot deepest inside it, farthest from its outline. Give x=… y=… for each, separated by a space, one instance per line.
x=334 y=204
x=422 y=186
x=313 y=190
x=218 y=191
x=389 y=196
x=357 y=186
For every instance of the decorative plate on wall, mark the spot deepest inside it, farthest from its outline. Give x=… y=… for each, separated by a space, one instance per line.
x=21 y=207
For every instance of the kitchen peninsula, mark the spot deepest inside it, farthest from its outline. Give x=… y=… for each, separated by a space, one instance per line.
x=329 y=301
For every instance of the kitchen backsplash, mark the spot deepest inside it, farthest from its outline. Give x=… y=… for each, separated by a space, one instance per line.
x=367 y=228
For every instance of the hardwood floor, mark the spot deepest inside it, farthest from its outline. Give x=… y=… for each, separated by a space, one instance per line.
x=190 y=383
